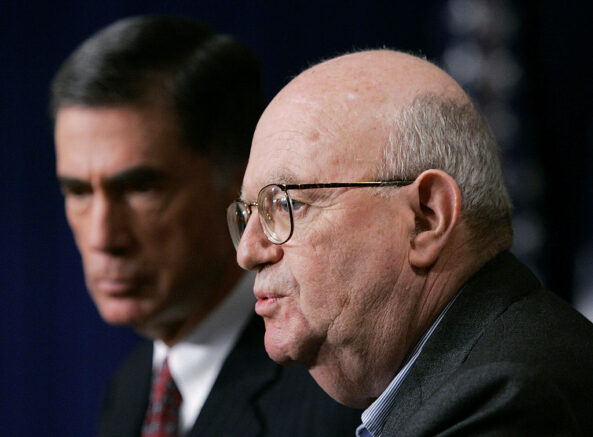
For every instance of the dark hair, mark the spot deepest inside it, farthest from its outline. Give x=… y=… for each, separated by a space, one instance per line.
x=211 y=80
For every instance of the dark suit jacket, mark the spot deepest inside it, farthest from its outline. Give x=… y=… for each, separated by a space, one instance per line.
x=252 y=396
x=508 y=359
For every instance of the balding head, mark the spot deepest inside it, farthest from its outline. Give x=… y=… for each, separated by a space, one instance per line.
x=397 y=115
x=375 y=77
x=363 y=90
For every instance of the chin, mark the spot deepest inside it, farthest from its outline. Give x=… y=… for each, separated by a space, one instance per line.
x=277 y=352
x=122 y=313
x=289 y=349
x=118 y=319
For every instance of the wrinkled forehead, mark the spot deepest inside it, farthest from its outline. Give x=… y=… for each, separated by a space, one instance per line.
x=329 y=138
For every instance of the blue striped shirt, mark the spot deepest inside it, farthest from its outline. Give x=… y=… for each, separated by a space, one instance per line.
x=375 y=416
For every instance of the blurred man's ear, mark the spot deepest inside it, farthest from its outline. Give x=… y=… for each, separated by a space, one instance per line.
x=437 y=206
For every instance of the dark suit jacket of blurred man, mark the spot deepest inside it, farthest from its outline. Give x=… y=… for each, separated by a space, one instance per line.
x=249 y=397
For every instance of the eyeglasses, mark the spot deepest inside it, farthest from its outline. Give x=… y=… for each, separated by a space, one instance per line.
x=276 y=208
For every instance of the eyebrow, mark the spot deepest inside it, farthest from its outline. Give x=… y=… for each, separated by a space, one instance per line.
x=137 y=175
x=72 y=184
x=281 y=176
x=285 y=177
x=140 y=174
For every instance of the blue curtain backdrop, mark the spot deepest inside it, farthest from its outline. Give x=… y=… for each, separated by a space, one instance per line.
x=56 y=354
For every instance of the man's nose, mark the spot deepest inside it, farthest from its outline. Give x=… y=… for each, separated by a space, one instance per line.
x=255 y=250
x=109 y=228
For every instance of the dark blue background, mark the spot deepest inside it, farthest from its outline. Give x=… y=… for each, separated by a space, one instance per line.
x=56 y=353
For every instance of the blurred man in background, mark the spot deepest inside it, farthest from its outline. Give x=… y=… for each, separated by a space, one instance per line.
x=153 y=120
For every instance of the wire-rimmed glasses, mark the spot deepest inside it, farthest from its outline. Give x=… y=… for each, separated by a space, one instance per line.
x=275 y=207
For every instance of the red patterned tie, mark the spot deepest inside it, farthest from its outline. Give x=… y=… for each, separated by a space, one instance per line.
x=162 y=416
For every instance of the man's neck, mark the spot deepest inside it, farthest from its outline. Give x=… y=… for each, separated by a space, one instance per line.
x=171 y=328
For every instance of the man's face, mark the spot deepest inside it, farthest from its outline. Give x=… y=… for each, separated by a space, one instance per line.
x=324 y=292
x=143 y=213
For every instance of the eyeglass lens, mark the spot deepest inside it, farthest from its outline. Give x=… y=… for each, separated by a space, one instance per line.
x=275 y=213
x=237 y=215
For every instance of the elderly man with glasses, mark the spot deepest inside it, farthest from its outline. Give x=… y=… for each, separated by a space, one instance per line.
x=381 y=244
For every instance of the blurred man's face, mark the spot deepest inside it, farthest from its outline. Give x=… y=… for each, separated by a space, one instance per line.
x=144 y=215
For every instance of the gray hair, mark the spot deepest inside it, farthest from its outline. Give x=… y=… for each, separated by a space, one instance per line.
x=438 y=133
x=211 y=81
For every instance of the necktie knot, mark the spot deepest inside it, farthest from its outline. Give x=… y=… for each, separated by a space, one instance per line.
x=162 y=416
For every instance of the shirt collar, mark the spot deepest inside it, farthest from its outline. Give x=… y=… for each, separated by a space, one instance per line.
x=375 y=416
x=196 y=360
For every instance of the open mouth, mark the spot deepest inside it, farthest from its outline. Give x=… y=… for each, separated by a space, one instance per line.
x=266 y=304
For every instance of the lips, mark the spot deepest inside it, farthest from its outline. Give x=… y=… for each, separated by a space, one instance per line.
x=266 y=302
x=116 y=286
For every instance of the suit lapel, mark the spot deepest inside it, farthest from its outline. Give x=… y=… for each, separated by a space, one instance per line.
x=246 y=374
x=499 y=283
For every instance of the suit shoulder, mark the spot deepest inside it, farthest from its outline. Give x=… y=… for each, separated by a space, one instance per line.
x=126 y=397
x=539 y=329
x=497 y=399
x=141 y=355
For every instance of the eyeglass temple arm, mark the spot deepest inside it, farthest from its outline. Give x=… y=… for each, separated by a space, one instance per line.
x=399 y=183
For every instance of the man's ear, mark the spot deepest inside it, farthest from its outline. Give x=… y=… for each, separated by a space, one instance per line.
x=436 y=205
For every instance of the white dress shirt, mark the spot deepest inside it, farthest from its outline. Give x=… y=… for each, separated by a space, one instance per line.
x=196 y=360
